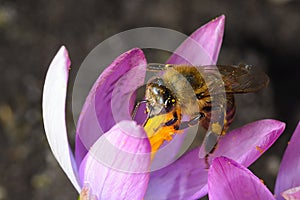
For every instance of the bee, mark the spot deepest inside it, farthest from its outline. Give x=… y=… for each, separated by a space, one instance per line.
x=204 y=94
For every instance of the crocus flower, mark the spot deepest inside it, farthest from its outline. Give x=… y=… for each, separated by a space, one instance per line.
x=184 y=179
x=228 y=179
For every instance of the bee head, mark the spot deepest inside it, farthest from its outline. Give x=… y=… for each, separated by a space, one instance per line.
x=160 y=99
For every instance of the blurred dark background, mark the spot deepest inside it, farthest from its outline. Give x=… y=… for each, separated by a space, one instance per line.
x=265 y=33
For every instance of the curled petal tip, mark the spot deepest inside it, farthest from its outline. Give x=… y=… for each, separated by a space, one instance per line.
x=217 y=24
x=220 y=25
x=63 y=48
x=140 y=58
x=68 y=61
x=211 y=37
x=221 y=18
x=65 y=55
x=203 y=46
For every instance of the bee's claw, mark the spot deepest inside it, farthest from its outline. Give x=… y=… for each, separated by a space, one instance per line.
x=207 y=164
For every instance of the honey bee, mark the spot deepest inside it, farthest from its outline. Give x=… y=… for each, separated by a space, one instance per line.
x=203 y=93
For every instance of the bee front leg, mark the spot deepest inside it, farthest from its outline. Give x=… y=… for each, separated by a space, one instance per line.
x=194 y=121
x=136 y=107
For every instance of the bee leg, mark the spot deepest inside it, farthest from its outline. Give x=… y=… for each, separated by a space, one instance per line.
x=210 y=145
x=137 y=105
x=173 y=120
x=148 y=116
x=139 y=99
x=194 y=121
x=206 y=161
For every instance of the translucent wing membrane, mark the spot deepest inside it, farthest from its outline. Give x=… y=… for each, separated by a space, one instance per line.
x=238 y=79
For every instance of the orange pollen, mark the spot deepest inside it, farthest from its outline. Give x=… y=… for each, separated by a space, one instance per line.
x=259 y=149
x=158 y=132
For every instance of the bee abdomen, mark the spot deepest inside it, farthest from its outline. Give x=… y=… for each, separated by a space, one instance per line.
x=230 y=115
x=230 y=110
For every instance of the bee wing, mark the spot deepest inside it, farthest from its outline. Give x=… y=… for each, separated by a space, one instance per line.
x=236 y=79
x=214 y=122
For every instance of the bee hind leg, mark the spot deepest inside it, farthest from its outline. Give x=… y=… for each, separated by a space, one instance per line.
x=210 y=145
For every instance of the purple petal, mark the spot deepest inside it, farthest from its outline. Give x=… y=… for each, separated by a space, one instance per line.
x=54 y=97
x=180 y=180
x=288 y=175
x=117 y=165
x=203 y=46
x=103 y=107
x=229 y=180
x=244 y=145
x=292 y=194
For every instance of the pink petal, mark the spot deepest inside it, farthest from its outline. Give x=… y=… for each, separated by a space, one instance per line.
x=228 y=179
x=117 y=165
x=180 y=180
x=246 y=144
x=54 y=97
x=110 y=99
x=203 y=46
x=288 y=175
x=292 y=194
x=168 y=152
x=187 y=177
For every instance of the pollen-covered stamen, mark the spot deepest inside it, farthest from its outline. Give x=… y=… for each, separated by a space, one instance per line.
x=86 y=193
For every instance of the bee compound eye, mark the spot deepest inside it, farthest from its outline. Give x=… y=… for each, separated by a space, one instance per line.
x=169 y=104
